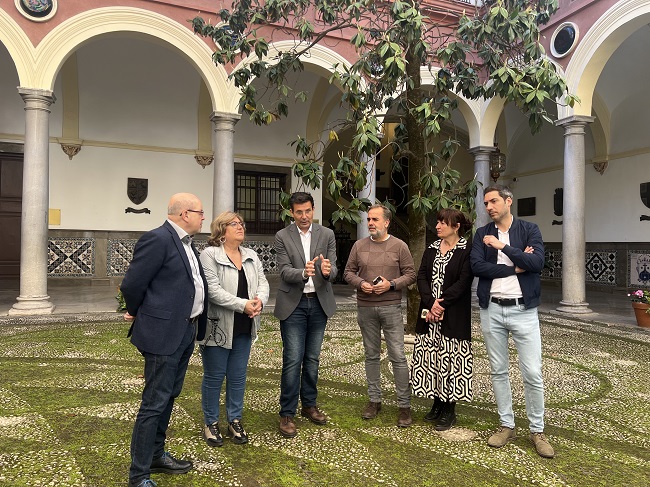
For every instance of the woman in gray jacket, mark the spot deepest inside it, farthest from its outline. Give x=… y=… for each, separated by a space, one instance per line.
x=237 y=290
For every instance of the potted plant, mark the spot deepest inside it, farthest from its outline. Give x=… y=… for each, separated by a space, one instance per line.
x=641 y=304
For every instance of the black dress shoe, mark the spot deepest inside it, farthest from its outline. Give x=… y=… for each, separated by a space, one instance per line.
x=168 y=464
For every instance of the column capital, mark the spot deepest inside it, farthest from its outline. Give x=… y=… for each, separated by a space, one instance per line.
x=36 y=98
x=481 y=149
x=224 y=121
x=574 y=120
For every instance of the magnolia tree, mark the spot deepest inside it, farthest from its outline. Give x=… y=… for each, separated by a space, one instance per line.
x=491 y=51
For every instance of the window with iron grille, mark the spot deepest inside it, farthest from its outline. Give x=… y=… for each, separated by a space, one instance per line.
x=257 y=199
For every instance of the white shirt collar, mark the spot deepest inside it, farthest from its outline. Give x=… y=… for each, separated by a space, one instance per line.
x=181 y=233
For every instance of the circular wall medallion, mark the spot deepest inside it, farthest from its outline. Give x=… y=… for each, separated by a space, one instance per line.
x=564 y=39
x=37 y=10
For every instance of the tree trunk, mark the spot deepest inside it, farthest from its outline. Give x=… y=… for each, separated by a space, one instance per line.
x=417 y=151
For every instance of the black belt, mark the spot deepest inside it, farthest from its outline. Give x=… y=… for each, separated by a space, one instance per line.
x=508 y=301
x=309 y=295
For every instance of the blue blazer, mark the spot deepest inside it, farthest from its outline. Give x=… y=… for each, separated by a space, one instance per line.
x=159 y=291
x=484 y=261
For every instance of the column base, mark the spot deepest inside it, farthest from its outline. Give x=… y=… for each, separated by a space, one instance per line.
x=32 y=305
x=574 y=308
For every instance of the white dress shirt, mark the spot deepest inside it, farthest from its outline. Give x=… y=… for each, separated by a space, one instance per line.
x=199 y=291
x=305 y=238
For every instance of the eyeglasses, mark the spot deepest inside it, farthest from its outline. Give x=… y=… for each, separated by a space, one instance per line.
x=194 y=211
x=237 y=224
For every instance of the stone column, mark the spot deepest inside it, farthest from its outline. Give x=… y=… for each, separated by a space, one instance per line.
x=481 y=155
x=223 y=189
x=482 y=170
x=33 y=297
x=369 y=192
x=573 y=229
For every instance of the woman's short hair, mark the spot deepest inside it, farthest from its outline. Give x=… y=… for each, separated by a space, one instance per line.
x=453 y=217
x=218 y=226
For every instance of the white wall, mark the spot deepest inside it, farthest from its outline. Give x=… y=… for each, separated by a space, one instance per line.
x=136 y=92
x=614 y=204
x=91 y=189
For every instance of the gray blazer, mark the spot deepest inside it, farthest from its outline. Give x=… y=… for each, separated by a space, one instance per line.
x=290 y=257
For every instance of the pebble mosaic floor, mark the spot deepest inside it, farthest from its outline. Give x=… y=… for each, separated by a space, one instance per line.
x=69 y=394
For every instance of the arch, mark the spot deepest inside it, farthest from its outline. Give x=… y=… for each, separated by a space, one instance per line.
x=469 y=109
x=320 y=60
x=597 y=46
x=52 y=52
x=19 y=46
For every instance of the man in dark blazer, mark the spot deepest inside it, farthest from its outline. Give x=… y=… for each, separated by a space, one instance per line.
x=166 y=299
x=306 y=257
x=508 y=257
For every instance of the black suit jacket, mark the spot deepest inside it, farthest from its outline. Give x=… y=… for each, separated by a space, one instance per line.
x=159 y=291
x=456 y=291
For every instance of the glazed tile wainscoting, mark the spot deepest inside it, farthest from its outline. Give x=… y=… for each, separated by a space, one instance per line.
x=82 y=256
x=107 y=255
x=601 y=266
x=71 y=257
x=607 y=265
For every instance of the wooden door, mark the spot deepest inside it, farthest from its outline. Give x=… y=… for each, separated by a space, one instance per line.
x=11 y=192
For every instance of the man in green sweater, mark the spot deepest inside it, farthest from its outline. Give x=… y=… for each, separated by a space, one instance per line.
x=380 y=267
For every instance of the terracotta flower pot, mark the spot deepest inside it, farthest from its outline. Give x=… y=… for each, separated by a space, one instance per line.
x=642 y=318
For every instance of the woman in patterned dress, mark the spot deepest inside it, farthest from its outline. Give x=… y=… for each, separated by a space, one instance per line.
x=442 y=358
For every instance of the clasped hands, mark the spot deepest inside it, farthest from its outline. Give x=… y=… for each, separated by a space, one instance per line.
x=380 y=288
x=436 y=312
x=492 y=241
x=253 y=307
x=325 y=266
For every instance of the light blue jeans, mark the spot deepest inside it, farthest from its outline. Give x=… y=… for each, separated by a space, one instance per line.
x=372 y=320
x=523 y=324
x=230 y=364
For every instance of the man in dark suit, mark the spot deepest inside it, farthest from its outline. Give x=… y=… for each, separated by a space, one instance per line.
x=166 y=297
x=306 y=257
x=508 y=257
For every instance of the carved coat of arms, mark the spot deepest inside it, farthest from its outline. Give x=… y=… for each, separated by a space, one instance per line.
x=644 y=189
x=137 y=190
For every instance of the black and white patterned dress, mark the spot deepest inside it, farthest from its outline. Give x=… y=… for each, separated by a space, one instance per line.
x=442 y=366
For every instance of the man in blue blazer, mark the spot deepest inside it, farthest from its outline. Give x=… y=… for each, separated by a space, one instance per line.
x=306 y=257
x=508 y=257
x=166 y=297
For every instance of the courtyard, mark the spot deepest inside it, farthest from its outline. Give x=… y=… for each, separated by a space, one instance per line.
x=70 y=392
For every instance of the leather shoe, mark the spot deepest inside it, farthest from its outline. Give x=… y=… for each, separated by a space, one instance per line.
x=288 y=427
x=436 y=410
x=404 y=419
x=313 y=414
x=371 y=410
x=168 y=464
x=144 y=483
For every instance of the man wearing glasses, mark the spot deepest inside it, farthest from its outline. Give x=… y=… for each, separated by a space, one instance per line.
x=306 y=257
x=166 y=294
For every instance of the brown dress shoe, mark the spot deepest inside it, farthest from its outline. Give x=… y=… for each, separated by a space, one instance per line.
x=371 y=410
x=404 y=418
x=313 y=414
x=288 y=427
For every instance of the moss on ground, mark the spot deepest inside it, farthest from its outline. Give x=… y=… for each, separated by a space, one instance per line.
x=70 y=392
